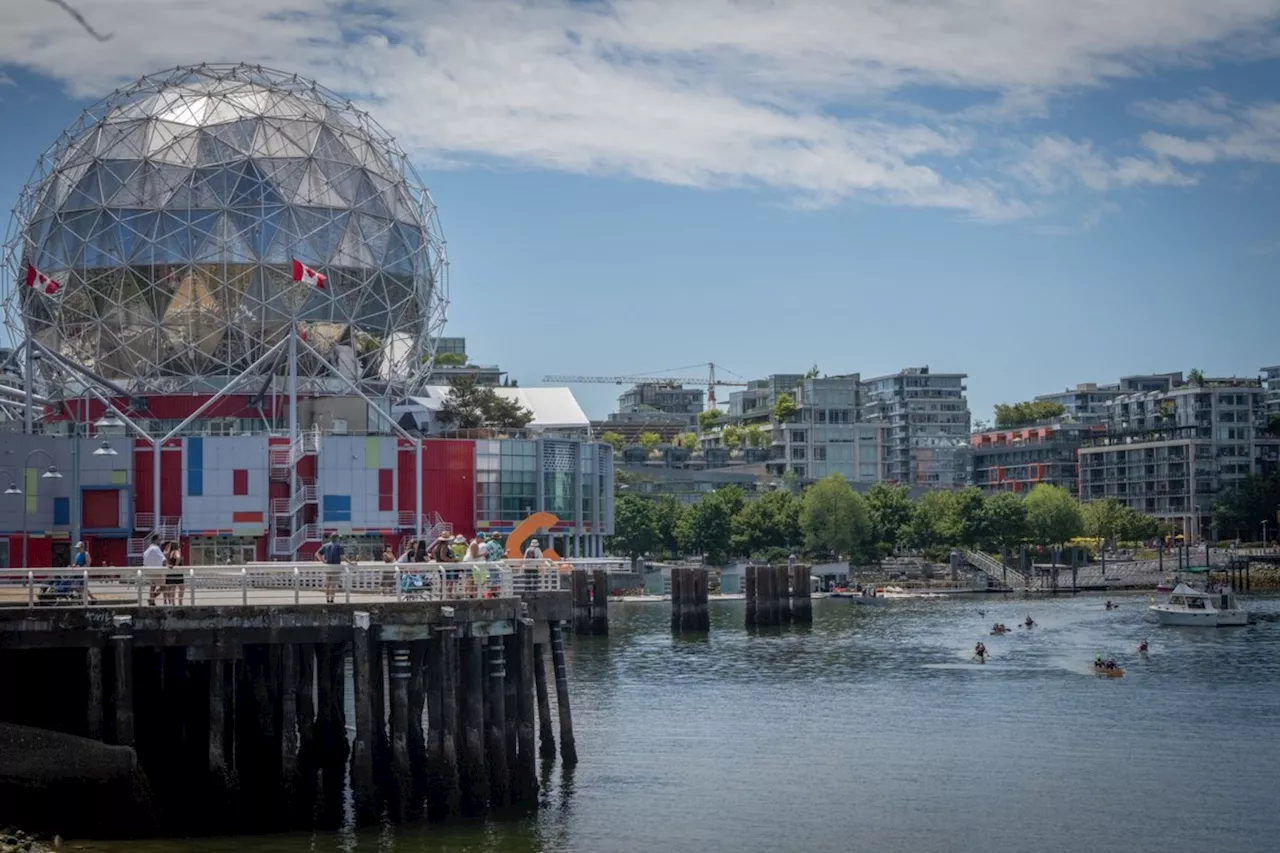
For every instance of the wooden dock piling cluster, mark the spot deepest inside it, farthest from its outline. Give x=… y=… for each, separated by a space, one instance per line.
x=590 y=593
x=251 y=702
x=778 y=595
x=689 y=613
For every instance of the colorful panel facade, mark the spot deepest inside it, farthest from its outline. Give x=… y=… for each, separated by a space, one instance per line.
x=351 y=469
x=233 y=482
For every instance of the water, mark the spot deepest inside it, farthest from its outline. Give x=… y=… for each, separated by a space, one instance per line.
x=873 y=731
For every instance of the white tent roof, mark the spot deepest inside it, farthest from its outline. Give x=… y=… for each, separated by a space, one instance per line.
x=553 y=408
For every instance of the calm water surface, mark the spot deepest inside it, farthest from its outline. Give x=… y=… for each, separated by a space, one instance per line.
x=872 y=731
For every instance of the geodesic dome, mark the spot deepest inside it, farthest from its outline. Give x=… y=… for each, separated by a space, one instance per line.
x=171 y=214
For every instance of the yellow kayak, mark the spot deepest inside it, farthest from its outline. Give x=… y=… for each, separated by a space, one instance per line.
x=1103 y=672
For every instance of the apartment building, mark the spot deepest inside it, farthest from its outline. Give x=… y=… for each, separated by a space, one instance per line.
x=926 y=421
x=662 y=397
x=1271 y=385
x=1088 y=400
x=1016 y=459
x=1170 y=453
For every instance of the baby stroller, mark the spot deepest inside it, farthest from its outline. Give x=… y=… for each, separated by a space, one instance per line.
x=63 y=590
x=413 y=587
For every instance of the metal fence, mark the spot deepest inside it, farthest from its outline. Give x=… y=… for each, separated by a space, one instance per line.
x=268 y=584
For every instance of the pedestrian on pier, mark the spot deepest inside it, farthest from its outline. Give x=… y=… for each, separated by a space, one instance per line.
x=153 y=562
x=331 y=555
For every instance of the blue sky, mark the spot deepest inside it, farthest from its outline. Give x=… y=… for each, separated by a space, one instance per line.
x=1034 y=196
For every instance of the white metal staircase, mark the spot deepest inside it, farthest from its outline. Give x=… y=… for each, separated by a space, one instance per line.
x=433 y=525
x=994 y=569
x=284 y=512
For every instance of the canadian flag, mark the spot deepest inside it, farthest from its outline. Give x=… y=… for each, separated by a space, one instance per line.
x=40 y=281
x=305 y=274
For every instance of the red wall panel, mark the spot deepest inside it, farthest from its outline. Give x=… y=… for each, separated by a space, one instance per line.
x=170 y=478
x=39 y=552
x=100 y=509
x=406 y=482
x=386 y=490
x=449 y=482
x=240 y=481
x=108 y=552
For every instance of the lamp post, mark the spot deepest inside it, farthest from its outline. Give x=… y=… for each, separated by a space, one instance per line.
x=50 y=473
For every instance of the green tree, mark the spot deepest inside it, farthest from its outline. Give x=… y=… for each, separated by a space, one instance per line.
x=1240 y=511
x=890 y=510
x=472 y=406
x=785 y=409
x=687 y=440
x=733 y=497
x=1195 y=377
x=635 y=527
x=1004 y=522
x=755 y=436
x=706 y=528
x=708 y=419
x=1053 y=516
x=649 y=441
x=965 y=519
x=833 y=517
x=1030 y=411
x=1137 y=526
x=771 y=521
x=731 y=436
x=929 y=526
x=1103 y=519
x=614 y=440
x=667 y=514
x=450 y=359
x=813 y=373
x=1273 y=425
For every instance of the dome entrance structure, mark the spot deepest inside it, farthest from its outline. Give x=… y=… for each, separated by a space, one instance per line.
x=170 y=215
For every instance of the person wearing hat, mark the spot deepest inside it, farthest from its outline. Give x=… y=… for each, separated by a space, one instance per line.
x=459 y=547
x=533 y=552
x=81 y=560
x=441 y=550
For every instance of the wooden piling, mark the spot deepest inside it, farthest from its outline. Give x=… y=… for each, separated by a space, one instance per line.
x=401 y=673
x=750 y=587
x=702 y=591
x=496 y=726
x=546 y=734
x=122 y=695
x=580 y=586
x=510 y=695
x=568 y=748
x=525 y=775
x=801 y=596
x=600 y=602
x=471 y=767
x=93 y=713
x=218 y=776
x=363 y=786
x=288 y=661
x=447 y=643
x=677 y=600
x=764 y=592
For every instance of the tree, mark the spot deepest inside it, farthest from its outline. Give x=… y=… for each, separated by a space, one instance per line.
x=708 y=419
x=889 y=510
x=687 y=440
x=649 y=441
x=1028 y=412
x=930 y=516
x=1240 y=511
x=833 y=517
x=1273 y=425
x=731 y=436
x=635 y=527
x=785 y=409
x=1137 y=526
x=450 y=359
x=771 y=521
x=1004 y=521
x=614 y=440
x=755 y=437
x=667 y=514
x=706 y=528
x=1103 y=519
x=965 y=520
x=472 y=406
x=813 y=373
x=1195 y=377
x=1053 y=516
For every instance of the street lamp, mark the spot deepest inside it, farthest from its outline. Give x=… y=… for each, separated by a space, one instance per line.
x=50 y=473
x=105 y=449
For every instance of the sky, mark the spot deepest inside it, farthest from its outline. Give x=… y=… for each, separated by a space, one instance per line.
x=1037 y=194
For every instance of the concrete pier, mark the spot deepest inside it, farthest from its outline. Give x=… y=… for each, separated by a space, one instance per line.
x=237 y=715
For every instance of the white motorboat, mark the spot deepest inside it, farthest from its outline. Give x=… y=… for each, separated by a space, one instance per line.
x=1188 y=606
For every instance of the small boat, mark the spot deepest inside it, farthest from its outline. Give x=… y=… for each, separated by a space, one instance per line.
x=1164 y=587
x=865 y=597
x=1103 y=670
x=1191 y=607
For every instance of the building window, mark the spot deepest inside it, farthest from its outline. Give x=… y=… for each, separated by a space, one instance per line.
x=797 y=436
x=819 y=454
x=797 y=453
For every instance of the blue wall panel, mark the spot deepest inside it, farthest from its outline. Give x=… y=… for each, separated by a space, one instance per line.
x=195 y=466
x=62 y=510
x=336 y=507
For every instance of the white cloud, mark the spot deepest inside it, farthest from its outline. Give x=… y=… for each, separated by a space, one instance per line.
x=1248 y=134
x=811 y=99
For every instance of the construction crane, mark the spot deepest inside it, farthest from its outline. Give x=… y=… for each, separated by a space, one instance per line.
x=710 y=381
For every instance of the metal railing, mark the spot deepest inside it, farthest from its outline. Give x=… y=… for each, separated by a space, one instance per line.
x=267 y=584
x=995 y=569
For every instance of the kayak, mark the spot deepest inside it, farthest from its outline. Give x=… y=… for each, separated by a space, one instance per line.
x=1103 y=672
x=999 y=633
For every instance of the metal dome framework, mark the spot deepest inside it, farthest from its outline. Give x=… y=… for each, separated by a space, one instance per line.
x=170 y=213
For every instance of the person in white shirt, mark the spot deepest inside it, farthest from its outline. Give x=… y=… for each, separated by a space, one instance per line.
x=153 y=561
